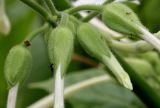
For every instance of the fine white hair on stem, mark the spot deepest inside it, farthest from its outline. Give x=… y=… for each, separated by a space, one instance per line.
x=12 y=96
x=46 y=102
x=150 y=38
x=59 y=89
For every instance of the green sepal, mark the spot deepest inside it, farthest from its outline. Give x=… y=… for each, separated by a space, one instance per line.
x=91 y=40
x=121 y=18
x=18 y=64
x=60 y=47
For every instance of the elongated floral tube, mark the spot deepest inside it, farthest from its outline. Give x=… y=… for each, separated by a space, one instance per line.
x=12 y=96
x=59 y=89
x=90 y=39
x=121 y=18
x=17 y=65
x=4 y=21
x=60 y=47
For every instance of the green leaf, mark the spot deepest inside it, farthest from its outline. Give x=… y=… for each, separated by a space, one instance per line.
x=70 y=79
x=103 y=95
x=140 y=87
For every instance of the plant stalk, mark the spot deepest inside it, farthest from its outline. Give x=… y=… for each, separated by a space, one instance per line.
x=33 y=34
x=38 y=8
x=51 y=6
x=84 y=7
x=93 y=14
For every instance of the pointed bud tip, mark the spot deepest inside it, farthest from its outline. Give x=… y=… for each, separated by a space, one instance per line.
x=127 y=83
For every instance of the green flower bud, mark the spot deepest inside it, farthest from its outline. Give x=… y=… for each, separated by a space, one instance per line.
x=90 y=39
x=121 y=18
x=4 y=21
x=141 y=66
x=153 y=58
x=72 y=26
x=17 y=65
x=60 y=47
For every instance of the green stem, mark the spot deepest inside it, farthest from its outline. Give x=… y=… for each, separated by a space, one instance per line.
x=130 y=47
x=134 y=47
x=35 y=33
x=93 y=14
x=90 y=16
x=40 y=10
x=64 y=19
x=84 y=7
x=51 y=7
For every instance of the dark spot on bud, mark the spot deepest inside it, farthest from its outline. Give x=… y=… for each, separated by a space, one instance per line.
x=51 y=67
x=27 y=43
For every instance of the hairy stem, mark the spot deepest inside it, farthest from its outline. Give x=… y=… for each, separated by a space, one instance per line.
x=131 y=47
x=90 y=16
x=51 y=7
x=84 y=7
x=93 y=14
x=38 y=8
x=12 y=96
x=35 y=33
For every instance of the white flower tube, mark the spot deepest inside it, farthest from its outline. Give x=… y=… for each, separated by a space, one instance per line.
x=150 y=38
x=59 y=89
x=12 y=96
x=4 y=21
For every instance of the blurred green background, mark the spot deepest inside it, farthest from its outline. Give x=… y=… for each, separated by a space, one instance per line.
x=105 y=95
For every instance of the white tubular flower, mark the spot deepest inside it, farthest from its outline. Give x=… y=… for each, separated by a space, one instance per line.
x=59 y=89
x=150 y=38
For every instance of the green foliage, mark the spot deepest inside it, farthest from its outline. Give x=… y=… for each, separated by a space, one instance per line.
x=59 y=39
x=106 y=94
